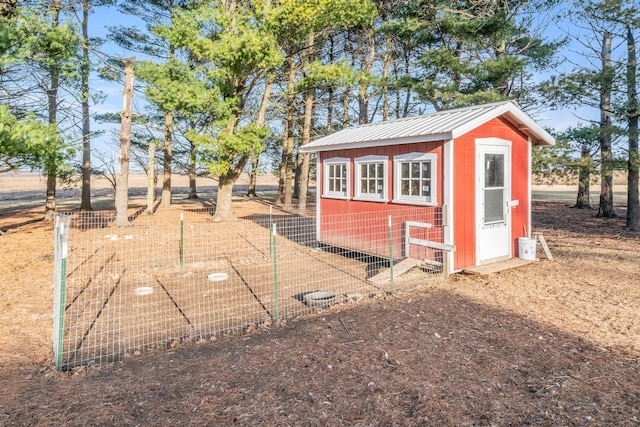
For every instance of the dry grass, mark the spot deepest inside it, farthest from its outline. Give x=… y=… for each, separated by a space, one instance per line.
x=552 y=343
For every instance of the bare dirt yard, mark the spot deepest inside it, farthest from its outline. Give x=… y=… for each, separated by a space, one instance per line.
x=550 y=343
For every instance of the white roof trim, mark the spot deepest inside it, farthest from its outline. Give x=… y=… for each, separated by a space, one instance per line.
x=440 y=126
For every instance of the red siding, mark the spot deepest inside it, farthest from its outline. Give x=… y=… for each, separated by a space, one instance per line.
x=363 y=225
x=464 y=201
x=464 y=187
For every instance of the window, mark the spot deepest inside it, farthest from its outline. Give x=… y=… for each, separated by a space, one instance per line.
x=371 y=178
x=415 y=178
x=336 y=178
x=494 y=188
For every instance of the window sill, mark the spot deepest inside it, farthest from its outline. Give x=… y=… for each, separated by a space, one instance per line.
x=335 y=196
x=371 y=199
x=413 y=202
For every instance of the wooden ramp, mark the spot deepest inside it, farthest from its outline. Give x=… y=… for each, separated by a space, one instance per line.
x=485 y=270
x=400 y=268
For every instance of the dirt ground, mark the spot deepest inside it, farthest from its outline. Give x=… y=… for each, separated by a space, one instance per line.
x=551 y=343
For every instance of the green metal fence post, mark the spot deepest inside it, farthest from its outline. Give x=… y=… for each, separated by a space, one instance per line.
x=391 y=252
x=275 y=275
x=269 y=231
x=62 y=247
x=181 y=239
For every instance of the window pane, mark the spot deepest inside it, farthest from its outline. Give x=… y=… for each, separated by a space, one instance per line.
x=426 y=187
x=493 y=205
x=405 y=170
x=372 y=170
x=415 y=187
x=343 y=170
x=494 y=170
x=380 y=169
x=404 y=187
x=363 y=185
x=372 y=186
x=332 y=171
x=415 y=170
x=363 y=171
x=426 y=169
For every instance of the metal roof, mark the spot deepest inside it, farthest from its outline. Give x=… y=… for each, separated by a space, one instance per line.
x=443 y=125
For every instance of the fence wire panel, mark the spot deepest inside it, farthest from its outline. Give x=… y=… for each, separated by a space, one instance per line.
x=178 y=276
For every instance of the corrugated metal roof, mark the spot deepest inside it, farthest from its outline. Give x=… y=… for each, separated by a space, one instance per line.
x=443 y=125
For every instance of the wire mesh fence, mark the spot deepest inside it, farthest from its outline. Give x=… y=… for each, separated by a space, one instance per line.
x=178 y=276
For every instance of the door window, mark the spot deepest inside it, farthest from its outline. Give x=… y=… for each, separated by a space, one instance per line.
x=494 y=188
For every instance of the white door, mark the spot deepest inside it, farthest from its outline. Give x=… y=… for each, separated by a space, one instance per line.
x=493 y=194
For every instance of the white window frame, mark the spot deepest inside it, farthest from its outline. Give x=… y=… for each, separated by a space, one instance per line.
x=336 y=161
x=366 y=160
x=415 y=200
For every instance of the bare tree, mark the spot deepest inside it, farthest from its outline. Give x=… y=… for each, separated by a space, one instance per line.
x=151 y=177
x=122 y=183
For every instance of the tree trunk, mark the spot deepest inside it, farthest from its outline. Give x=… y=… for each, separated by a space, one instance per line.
x=398 y=90
x=289 y=176
x=363 y=96
x=388 y=56
x=297 y=170
x=306 y=157
x=52 y=99
x=407 y=98
x=225 y=191
x=262 y=111
x=193 y=190
x=329 y=128
x=122 y=180
x=605 y=208
x=151 y=177
x=253 y=176
x=50 y=201
x=633 y=201
x=330 y=92
x=285 y=184
x=345 y=108
x=85 y=199
x=303 y=161
x=583 y=200
x=223 y=199
x=166 y=161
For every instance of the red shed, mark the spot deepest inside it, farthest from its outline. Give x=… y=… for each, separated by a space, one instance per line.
x=453 y=187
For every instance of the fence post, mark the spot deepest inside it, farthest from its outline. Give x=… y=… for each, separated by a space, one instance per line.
x=61 y=254
x=181 y=239
x=269 y=232
x=275 y=275
x=391 y=252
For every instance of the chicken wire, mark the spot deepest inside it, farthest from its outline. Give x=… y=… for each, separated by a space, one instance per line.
x=181 y=277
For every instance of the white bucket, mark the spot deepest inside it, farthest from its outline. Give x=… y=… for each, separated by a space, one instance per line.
x=526 y=248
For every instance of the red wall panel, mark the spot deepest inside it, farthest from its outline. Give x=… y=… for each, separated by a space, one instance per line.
x=363 y=225
x=465 y=187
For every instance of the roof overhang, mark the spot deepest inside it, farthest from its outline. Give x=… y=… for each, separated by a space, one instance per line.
x=378 y=142
x=441 y=126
